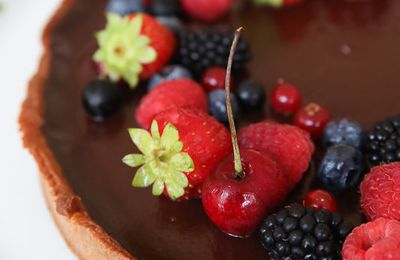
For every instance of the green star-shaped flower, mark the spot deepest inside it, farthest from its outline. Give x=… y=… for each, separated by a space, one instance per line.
x=162 y=162
x=122 y=49
x=274 y=3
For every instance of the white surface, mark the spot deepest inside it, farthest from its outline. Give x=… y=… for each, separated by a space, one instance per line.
x=26 y=228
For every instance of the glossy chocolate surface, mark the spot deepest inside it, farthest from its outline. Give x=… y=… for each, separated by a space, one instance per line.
x=343 y=55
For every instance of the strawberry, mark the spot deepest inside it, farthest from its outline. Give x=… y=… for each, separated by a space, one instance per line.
x=133 y=47
x=206 y=10
x=173 y=93
x=289 y=145
x=380 y=192
x=161 y=39
x=182 y=147
x=378 y=239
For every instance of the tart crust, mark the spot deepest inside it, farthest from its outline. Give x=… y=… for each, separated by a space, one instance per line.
x=84 y=237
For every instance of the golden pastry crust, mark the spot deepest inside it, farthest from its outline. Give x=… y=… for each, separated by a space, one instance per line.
x=85 y=238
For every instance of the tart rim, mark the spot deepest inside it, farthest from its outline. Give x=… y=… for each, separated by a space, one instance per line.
x=83 y=235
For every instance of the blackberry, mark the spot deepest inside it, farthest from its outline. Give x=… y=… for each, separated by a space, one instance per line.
x=201 y=49
x=383 y=144
x=296 y=232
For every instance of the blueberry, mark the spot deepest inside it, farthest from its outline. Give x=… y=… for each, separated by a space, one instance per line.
x=169 y=72
x=341 y=168
x=102 y=99
x=250 y=95
x=217 y=105
x=165 y=7
x=344 y=131
x=125 y=7
x=172 y=22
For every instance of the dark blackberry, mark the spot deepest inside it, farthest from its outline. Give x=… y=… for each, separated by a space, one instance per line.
x=383 y=144
x=296 y=232
x=201 y=49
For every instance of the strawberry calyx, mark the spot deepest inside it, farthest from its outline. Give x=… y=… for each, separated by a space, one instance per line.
x=161 y=162
x=123 y=50
x=274 y=3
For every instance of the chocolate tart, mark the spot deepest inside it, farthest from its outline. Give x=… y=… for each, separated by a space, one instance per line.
x=344 y=55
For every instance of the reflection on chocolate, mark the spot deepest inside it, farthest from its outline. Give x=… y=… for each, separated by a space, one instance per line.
x=362 y=84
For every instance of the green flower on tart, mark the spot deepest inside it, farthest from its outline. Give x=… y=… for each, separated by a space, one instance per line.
x=161 y=162
x=123 y=50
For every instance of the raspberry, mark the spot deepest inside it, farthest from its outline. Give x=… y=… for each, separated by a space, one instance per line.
x=380 y=192
x=289 y=145
x=379 y=239
x=173 y=93
x=206 y=10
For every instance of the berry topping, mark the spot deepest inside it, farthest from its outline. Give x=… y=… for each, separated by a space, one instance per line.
x=285 y=98
x=289 y=145
x=162 y=162
x=214 y=78
x=312 y=118
x=172 y=93
x=379 y=239
x=384 y=142
x=133 y=47
x=244 y=187
x=101 y=99
x=201 y=49
x=341 y=168
x=217 y=107
x=302 y=236
x=172 y=151
x=250 y=95
x=169 y=72
x=320 y=199
x=380 y=192
x=125 y=7
x=206 y=10
x=237 y=205
x=343 y=131
x=165 y=7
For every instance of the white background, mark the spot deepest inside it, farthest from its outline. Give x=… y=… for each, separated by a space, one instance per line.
x=26 y=228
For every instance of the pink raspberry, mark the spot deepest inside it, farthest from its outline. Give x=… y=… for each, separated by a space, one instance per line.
x=375 y=240
x=289 y=145
x=380 y=192
x=206 y=10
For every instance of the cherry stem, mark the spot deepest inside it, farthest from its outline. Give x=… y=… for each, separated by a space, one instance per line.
x=236 y=153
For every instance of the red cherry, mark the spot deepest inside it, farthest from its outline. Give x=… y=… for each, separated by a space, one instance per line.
x=312 y=118
x=238 y=205
x=320 y=199
x=285 y=98
x=214 y=78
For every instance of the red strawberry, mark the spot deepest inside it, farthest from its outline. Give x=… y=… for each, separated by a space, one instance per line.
x=380 y=192
x=173 y=93
x=289 y=145
x=161 y=39
x=184 y=145
x=133 y=47
x=379 y=239
x=206 y=10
